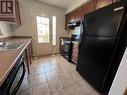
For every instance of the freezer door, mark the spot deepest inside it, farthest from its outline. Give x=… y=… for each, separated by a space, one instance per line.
x=105 y=21
x=95 y=54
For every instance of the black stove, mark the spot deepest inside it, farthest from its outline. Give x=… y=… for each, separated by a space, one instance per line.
x=65 y=47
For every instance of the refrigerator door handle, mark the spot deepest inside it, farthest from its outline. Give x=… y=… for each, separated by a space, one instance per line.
x=81 y=31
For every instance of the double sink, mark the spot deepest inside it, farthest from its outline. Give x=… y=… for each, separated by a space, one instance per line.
x=10 y=45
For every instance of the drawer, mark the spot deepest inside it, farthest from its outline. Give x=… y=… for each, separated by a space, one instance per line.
x=75 y=45
x=75 y=49
x=74 y=58
x=75 y=52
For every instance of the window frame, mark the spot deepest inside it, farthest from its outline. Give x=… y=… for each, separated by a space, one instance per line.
x=49 y=41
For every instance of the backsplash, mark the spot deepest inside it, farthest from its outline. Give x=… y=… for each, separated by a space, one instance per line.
x=5 y=29
x=76 y=31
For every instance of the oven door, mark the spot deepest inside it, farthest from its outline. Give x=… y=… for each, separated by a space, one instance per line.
x=66 y=47
x=15 y=78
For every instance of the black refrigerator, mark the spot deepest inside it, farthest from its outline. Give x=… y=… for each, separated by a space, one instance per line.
x=102 y=44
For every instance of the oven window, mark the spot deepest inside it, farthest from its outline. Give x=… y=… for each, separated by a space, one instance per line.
x=66 y=47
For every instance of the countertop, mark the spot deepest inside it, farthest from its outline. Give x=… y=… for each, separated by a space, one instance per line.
x=8 y=58
x=75 y=42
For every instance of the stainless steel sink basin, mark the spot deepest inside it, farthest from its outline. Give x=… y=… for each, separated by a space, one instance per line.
x=10 y=45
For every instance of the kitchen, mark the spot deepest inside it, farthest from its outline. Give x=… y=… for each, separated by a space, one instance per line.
x=44 y=71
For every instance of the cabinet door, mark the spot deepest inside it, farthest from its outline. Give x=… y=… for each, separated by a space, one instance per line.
x=88 y=7
x=77 y=14
x=17 y=13
x=10 y=11
x=74 y=55
x=102 y=3
x=72 y=16
x=66 y=20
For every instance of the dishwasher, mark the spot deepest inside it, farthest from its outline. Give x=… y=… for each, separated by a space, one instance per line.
x=14 y=79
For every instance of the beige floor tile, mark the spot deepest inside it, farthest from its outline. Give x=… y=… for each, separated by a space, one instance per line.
x=48 y=63
x=79 y=91
x=95 y=93
x=55 y=85
x=53 y=75
x=69 y=91
x=35 y=65
x=64 y=76
x=41 y=78
x=36 y=71
x=24 y=92
x=68 y=82
x=85 y=87
x=58 y=92
x=49 y=68
x=41 y=89
x=75 y=75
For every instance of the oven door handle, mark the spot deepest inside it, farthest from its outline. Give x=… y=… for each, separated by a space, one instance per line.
x=20 y=81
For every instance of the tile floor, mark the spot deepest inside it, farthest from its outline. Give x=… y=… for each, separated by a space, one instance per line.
x=53 y=75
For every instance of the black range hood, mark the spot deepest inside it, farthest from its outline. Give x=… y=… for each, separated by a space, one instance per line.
x=73 y=24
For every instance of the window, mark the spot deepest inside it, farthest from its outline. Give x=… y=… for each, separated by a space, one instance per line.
x=54 y=30
x=43 y=29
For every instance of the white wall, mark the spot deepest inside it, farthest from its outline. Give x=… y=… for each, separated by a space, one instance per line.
x=28 y=10
x=75 y=4
x=5 y=29
x=120 y=82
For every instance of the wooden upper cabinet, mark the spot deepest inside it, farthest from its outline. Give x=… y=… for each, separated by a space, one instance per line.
x=66 y=21
x=102 y=3
x=88 y=7
x=77 y=14
x=68 y=18
x=73 y=16
x=10 y=11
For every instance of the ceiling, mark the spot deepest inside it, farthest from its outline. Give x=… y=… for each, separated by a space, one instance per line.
x=64 y=4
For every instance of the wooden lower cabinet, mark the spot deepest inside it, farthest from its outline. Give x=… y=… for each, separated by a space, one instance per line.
x=28 y=56
x=74 y=55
